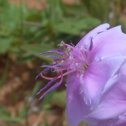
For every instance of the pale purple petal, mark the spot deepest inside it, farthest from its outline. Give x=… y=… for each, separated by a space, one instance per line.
x=113 y=102
x=85 y=41
x=109 y=122
x=94 y=81
x=124 y=124
x=109 y=43
x=76 y=108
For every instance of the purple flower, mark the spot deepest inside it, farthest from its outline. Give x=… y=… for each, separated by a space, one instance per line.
x=95 y=71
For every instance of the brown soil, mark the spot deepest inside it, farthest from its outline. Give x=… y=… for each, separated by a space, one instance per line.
x=16 y=93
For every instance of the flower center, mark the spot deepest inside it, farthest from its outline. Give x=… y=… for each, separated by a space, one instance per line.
x=66 y=60
x=74 y=58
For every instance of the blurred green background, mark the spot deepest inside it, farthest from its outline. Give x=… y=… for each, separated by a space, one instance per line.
x=29 y=27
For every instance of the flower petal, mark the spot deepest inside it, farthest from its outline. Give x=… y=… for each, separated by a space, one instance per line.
x=113 y=102
x=109 y=43
x=86 y=40
x=109 y=122
x=97 y=76
x=76 y=108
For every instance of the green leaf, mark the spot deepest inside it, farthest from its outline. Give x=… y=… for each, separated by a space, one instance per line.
x=54 y=8
x=97 y=8
x=74 y=11
x=75 y=27
x=47 y=101
x=55 y=98
x=5 y=44
x=36 y=49
x=12 y=17
x=59 y=98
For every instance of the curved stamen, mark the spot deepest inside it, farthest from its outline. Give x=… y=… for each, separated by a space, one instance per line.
x=45 y=77
x=50 y=78
x=47 y=86
x=53 y=66
x=54 y=57
x=53 y=87
x=65 y=61
x=68 y=72
x=57 y=51
x=44 y=71
x=56 y=67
